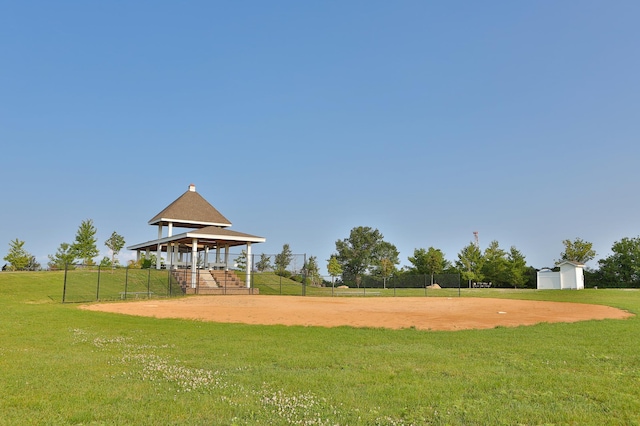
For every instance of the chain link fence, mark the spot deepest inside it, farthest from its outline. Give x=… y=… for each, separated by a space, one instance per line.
x=84 y=283
x=270 y=274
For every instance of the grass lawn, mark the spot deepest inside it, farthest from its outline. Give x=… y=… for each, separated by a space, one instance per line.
x=62 y=365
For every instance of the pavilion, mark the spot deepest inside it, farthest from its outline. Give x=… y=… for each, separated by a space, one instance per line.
x=206 y=237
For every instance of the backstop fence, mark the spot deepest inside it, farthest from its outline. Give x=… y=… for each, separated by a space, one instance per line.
x=404 y=285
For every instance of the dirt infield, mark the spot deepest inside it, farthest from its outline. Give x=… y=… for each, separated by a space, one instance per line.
x=395 y=313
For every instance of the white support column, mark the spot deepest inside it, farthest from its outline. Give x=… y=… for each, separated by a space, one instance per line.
x=206 y=257
x=170 y=230
x=159 y=249
x=176 y=253
x=159 y=256
x=217 y=255
x=169 y=255
x=194 y=263
x=226 y=257
x=248 y=275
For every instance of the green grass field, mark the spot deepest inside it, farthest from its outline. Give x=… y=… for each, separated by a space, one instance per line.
x=63 y=365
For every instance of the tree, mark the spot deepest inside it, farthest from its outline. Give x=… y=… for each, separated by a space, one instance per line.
x=385 y=259
x=470 y=261
x=428 y=262
x=264 y=264
x=495 y=266
x=17 y=256
x=63 y=257
x=578 y=250
x=33 y=264
x=363 y=250
x=148 y=261
x=115 y=243
x=313 y=272
x=283 y=259
x=241 y=261
x=516 y=268
x=84 y=246
x=334 y=268
x=622 y=267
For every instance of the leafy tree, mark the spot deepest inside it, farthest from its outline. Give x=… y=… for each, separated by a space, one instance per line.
x=386 y=257
x=106 y=262
x=363 y=250
x=17 y=256
x=63 y=257
x=264 y=264
x=148 y=261
x=622 y=267
x=283 y=259
x=495 y=267
x=334 y=268
x=470 y=261
x=516 y=268
x=428 y=262
x=578 y=250
x=115 y=243
x=84 y=246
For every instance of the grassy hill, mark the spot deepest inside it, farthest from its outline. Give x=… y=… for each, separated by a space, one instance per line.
x=63 y=365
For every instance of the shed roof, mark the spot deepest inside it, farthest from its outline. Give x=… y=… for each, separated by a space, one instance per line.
x=190 y=210
x=571 y=262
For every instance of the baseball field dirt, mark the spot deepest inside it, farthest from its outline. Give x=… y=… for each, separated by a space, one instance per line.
x=436 y=313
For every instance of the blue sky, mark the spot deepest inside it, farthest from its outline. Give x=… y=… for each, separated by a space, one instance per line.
x=301 y=120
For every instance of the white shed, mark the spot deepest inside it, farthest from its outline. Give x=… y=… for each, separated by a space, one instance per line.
x=570 y=276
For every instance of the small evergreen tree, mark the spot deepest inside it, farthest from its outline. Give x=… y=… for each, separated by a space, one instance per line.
x=313 y=272
x=17 y=256
x=283 y=259
x=84 y=246
x=264 y=264
x=241 y=261
x=63 y=257
x=517 y=267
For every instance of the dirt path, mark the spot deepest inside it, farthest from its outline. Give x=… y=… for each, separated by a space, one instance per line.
x=402 y=312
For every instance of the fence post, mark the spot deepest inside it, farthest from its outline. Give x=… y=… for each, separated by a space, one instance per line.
x=64 y=288
x=98 y=286
x=304 y=275
x=126 y=282
x=149 y=282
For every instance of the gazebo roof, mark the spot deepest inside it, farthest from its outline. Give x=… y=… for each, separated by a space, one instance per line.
x=190 y=210
x=210 y=236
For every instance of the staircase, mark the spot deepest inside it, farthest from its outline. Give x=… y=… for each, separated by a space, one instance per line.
x=222 y=282
x=212 y=282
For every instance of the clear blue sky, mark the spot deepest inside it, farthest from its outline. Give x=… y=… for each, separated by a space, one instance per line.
x=300 y=120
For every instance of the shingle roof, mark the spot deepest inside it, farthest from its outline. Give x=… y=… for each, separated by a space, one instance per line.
x=190 y=210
